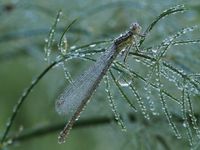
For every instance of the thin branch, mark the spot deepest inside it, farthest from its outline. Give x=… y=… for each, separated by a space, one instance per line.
x=170 y=11
x=92 y=122
x=22 y=99
x=56 y=127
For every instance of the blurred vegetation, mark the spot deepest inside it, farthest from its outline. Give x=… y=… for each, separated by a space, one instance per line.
x=24 y=26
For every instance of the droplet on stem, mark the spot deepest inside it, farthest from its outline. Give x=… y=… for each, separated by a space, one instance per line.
x=125 y=80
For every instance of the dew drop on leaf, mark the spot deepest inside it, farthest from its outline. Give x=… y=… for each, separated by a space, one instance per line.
x=184 y=124
x=93 y=45
x=124 y=80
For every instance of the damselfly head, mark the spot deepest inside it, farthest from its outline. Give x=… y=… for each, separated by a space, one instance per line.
x=135 y=28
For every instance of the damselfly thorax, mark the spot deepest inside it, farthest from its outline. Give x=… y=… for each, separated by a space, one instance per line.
x=129 y=36
x=125 y=41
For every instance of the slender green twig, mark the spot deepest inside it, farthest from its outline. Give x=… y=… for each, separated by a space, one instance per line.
x=122 y=92
x=144 y=80
x=55 y=127
x=50 y=39
x=172 y=10
x=162 y=141
x=50 y=128
x=65 y=31
x=24 y=96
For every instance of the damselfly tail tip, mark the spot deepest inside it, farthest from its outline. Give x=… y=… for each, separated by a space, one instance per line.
x=64 y=134
x=61 y=139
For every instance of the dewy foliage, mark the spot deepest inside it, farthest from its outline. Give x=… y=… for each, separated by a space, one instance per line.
x=160 y=71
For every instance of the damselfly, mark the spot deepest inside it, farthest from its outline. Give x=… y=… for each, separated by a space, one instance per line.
x=75 y=97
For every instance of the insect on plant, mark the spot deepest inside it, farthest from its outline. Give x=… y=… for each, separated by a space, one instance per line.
x=161 y=75
x=75 y=97
x=73 y=102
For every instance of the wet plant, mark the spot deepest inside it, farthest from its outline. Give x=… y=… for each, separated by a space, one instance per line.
x=160 y=82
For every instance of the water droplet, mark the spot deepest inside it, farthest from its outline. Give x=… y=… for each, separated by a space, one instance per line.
x=124 y=83
x=140 y=102
x=73 y=47
x=8 y=124
x=124 y=80
x=14 y=109
x=10 y=141
x=46 y=40
x=169 y=116
x=113 y=106
x=124 y=129
x=154 y=50
x=21 y=128
x=184 y=124
x=137 y=60
x=93 y=45
x=155 y=113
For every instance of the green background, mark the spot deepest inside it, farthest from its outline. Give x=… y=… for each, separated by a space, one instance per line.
x=23 y=29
